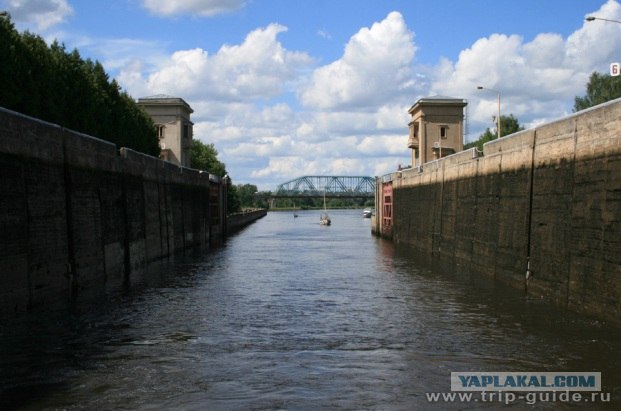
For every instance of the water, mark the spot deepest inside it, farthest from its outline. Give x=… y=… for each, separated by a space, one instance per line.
x=293 y=315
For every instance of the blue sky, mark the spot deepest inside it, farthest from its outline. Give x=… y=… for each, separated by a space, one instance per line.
x=286 y=88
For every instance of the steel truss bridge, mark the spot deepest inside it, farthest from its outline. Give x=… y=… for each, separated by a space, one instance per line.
x=332 y=186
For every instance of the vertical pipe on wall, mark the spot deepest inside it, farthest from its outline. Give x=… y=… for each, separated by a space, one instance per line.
x=24 y=170
x=529 y=217
x=573 y=198
x=161 y=220
x=126 y=231
x=441 y=205
x=71 y=267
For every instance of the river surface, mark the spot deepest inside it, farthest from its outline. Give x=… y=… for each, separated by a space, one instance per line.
x=289 y=314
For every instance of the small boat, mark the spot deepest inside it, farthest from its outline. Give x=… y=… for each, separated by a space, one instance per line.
x=367 y=213
x=324 y=218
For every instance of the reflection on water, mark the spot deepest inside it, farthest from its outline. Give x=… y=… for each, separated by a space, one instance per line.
x=293 y=315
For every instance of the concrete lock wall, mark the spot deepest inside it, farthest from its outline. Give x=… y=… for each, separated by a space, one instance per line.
x=237 y=221
x=78 y=215
x=547 y=200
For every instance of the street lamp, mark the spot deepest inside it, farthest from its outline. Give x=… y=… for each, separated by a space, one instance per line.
x=498 y=118
x=614 y=67
x=591 y=18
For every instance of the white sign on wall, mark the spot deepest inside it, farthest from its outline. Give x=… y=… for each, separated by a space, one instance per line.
x=615 y=69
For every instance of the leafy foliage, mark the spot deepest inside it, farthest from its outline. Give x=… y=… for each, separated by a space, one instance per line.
x=243 y=196
x=232 y=199
x=205 y=157
x=60 y=87
x=247 y=195
x=600 y=89
x=508 y=125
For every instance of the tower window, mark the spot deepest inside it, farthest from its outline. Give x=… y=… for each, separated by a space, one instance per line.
x=443 y=132
x=160 y=130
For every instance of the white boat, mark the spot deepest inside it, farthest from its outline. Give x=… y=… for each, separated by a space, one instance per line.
x=367 y=213
x=324 y=218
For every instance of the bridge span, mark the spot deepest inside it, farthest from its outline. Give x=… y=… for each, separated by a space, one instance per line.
x=331 y=186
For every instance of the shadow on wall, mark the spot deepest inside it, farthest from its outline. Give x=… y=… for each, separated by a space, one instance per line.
x=81 y=214
x=540 y=210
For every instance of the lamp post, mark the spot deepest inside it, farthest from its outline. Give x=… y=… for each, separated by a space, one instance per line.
x=591 y=18
x=497 y=118
x=614 y=67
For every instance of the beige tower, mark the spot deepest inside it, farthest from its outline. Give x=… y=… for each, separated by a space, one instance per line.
x=436 y=129
x=171 y=116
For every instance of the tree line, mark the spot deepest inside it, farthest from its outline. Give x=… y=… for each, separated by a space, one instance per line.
x=599 y=89
x=59 y=86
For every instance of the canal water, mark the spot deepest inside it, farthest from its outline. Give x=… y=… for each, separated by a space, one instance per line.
x=292 y=315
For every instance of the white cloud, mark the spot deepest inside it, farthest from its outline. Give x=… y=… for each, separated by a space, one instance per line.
x=43 y=13
x=281 y=167
x=323 y=33
x=378 y=146
x=183 y=72
x=354 y=109
x=319 y=125
x=232 y=90
x=392 y=117
x=596 y=42
x=546 y=50
x=201 y=7
x=385 y=165
x=537 y=79
x=243 y=125
x=264 y=147
x=346 y=166
x=259 y=68
x=129 y=57
x=376 y=66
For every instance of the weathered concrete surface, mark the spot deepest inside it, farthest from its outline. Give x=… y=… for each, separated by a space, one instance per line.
x=240 y=220
x=78 y=215
x=549 y=197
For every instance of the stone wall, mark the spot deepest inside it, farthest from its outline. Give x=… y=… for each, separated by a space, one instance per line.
x=237 y=221
x=546 y=201
x=78 y=215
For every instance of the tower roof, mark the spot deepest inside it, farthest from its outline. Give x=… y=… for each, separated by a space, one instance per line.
x=438 y=101
x=164 y=99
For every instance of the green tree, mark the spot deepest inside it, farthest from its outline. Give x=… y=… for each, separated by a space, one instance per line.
x=600 y=89
x=508 y=125
x=247 y=195
x=232 y=199
x=60 y=87
x=205 y=157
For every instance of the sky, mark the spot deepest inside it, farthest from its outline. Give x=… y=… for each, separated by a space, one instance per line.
x=288 y=88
